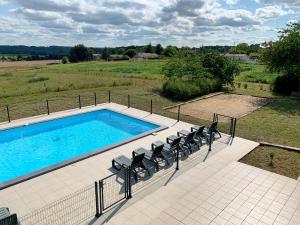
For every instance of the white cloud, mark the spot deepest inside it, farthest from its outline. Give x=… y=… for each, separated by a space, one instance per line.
x=126 y=22
x=231 y=2
x=292 y=3
x=270 y=12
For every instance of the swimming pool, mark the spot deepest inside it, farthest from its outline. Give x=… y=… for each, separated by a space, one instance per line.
x=34 y=149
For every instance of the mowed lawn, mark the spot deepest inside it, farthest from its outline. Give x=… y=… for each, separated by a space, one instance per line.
x=277 y=122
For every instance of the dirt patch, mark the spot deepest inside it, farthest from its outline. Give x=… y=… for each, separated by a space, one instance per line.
x=226 y=104
x=27 y=63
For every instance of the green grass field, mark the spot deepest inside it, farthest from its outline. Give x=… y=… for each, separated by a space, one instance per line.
x=255 y=73
x=277 y=122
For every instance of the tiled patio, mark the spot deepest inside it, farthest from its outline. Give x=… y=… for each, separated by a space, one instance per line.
x=218 y=191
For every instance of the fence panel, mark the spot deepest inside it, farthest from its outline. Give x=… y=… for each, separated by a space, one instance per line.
x=3 y=114
x=71 y=210
x=226 y=124
x=87 y=99
x=113 y=189
x=63 y=103
x=27 y=109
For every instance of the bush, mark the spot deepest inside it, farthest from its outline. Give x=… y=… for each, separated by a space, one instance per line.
x=65 y=60
x=286 y=84
x=38 y=79
x=178 y=89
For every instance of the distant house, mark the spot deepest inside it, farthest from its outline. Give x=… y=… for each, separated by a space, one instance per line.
x=97 y=56
x=145 y=56
x=241 y=57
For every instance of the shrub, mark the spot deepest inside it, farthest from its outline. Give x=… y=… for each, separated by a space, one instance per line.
x=178 y=89
x=65 y=60
x=286 y=84
x=38 y=79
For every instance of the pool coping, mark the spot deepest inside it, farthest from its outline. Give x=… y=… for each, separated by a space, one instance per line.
x=73 y=160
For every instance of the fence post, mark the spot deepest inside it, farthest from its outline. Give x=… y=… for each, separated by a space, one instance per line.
x=47 y=103
x=128 y=101
x=101 y=200
x=177 y=157
x=151 y=105
x=215 y=118
x=108 y=96
x=79 y=101
x=129 y=195
x=95 y=98
x=231 y=127
x=234 y=126
x=97 y=200
x=178 y=114
x=210 y=139
x=8 y=114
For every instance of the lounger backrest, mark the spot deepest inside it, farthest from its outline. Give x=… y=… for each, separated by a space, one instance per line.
x=190 y=137
x=175 y=142
x=157 y=150
x=10 y=220
x=199 y=132
x=137 y=160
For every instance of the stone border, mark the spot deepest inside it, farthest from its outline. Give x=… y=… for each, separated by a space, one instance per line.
x=280 y=146
x=219 y=93
x=194 y=100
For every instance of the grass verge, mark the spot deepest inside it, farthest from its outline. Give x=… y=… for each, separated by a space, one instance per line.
x=286 y=163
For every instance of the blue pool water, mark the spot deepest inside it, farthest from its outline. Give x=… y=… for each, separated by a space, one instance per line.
x=30 y=148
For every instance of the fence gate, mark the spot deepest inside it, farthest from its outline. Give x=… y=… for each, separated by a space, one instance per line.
x=114 y=189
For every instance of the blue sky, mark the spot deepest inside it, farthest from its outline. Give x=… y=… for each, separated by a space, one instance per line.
x=102 y=23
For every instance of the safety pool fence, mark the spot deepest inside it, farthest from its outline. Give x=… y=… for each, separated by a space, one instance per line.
x=70 y=210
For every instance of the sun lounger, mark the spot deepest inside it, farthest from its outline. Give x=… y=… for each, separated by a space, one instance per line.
x=136 y=162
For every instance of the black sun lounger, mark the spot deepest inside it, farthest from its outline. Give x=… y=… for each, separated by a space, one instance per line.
x=137 y=161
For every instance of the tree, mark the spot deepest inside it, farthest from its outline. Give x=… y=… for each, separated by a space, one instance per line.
x=105 y=54
x=242 y=48
x=284 y=56
x=221 y=67
x=170 y=51
x=130 y=53
x=80 y=53
x=149 y=48
x=65 y=60
x=159 y=49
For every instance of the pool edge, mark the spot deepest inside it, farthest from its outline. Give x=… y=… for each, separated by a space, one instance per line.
x=87 y=155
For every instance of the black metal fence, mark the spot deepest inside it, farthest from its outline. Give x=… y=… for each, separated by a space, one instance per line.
x=71 y=210
x=227 y=124
x=113 y=189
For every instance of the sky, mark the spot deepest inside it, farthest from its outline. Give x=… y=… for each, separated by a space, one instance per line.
x=111 y=23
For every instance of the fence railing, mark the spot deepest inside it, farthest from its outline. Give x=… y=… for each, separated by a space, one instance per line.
x=72 y=210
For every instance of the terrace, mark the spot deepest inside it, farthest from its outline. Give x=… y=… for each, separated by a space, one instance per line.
x=210 y=187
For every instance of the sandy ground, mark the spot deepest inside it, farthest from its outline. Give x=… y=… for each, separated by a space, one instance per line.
x=27 y=63
x=226 y=104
